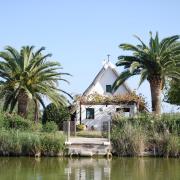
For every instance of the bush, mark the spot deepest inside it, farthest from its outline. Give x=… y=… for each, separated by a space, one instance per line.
x=173 y=148
x=36 y=127
x=80 y=127
x=50 y=127
x=9 y=143
x=172 y=122
x=31 y=143
x=165 y=144
x=161 y=124
x=52 y=144
x=13 y=121
x=1 y=121
x=128 y=141
x=13 y=143
x=159 y=135
x=58 y=115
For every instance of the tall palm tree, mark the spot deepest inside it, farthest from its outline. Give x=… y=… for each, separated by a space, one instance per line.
x=29 y=75
x=154 y=62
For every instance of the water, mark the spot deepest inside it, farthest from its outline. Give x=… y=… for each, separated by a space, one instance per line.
x=89 y=169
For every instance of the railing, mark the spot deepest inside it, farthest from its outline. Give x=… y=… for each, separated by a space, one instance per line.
x=106 y=129
x=69 y=129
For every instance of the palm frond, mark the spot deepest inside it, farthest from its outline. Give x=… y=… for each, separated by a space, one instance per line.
x=30 y=72
x=122 y=78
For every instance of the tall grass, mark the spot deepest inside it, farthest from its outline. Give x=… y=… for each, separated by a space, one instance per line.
x=158 y=136
x=20 y=136
x=129 y=141
x=52 y=144
x=14 y=143
x=165 y=144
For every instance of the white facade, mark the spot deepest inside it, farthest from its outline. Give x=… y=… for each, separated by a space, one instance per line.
x=106 y=76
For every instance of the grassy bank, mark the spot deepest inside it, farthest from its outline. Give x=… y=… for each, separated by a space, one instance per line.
x=139 y=136
x=21 y=137
x=16 y=143
x=146 y=135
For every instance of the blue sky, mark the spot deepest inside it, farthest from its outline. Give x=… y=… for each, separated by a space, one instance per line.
x=81 y=33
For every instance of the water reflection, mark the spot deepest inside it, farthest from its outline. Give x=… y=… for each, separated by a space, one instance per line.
x=89 y=169
x=83 y=169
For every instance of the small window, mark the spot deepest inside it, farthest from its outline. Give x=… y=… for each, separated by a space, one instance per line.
x=108 y=88
x=89 y=113
x=118 y=109
x=122 y=110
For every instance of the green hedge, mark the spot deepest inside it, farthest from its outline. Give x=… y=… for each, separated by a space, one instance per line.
x=50 y=127
x=14 y=143
x=159 y=135
x=15 y=122
x=170 y=122
x=56 y=114
x=52 y=144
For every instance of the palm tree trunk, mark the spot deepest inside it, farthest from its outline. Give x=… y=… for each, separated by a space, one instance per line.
x=22 y=103
x=155 y=85
x=36 y=115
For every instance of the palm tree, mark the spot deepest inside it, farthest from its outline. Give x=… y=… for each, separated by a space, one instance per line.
x=29 y=75
x=154 y=62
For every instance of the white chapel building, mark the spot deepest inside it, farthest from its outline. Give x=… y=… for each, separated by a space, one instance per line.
x=93 y=115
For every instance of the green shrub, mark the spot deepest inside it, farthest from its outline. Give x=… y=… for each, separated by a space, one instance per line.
x=52 y=144
x=173 y=148
x=31 y=143
x=172 y=122
x=56 y=114
x=159 y=143
x=10 y=143
x=80 y=127
x=128 y=141
x=165 y=144
x=119 y=121
x=13 y=121
x=13 y=143
x=36 y=127
x=149 y=122
x=161 y=137
x=50 y=127
x=1 y=122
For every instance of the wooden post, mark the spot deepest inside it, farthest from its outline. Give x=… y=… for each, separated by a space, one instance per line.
x=68 y=130
x=109 y=130
x=75 y=127
x=80 y=117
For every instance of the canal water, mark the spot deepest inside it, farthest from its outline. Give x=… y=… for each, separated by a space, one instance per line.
x=24 y=168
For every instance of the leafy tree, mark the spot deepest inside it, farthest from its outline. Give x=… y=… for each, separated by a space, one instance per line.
x=154 y=62
x=29 y=75
x=172 y=92
x=56 y=114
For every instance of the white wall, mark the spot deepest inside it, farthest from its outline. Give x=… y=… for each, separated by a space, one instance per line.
x=101 y=116
x=107 y=78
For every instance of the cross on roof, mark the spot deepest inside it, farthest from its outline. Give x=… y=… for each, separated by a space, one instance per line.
x=108 y=57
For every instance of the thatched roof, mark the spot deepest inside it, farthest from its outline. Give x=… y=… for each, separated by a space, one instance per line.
x=129 y=98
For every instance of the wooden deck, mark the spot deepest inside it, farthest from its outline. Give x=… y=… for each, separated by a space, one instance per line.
x=81 y=146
